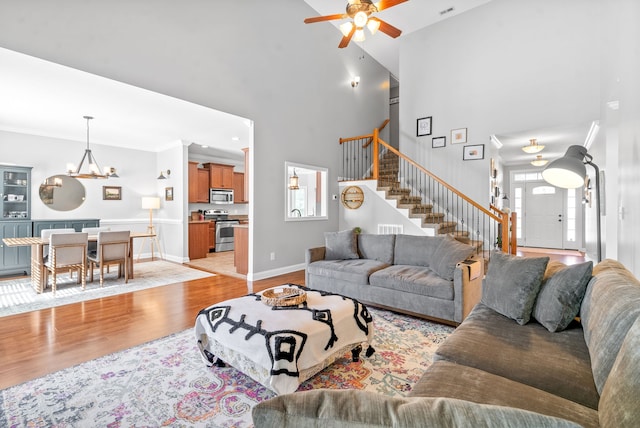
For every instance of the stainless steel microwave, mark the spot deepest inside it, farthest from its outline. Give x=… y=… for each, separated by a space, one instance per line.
x=221 y=196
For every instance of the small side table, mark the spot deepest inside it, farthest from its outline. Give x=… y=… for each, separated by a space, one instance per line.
x=473 y=272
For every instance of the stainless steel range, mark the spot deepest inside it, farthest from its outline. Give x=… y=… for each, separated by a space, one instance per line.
x=224 y=229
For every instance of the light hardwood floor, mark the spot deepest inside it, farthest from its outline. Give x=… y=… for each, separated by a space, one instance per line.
x=40 y=342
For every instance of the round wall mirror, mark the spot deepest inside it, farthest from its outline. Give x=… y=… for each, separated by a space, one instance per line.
x=62 y=193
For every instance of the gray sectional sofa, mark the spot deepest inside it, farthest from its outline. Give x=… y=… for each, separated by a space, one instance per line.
x=421 y=275
x=520 y=359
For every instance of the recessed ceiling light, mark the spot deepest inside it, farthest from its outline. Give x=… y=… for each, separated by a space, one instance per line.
x=235 y=138
x=204 y=146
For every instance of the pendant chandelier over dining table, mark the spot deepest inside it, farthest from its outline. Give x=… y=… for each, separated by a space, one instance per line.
x=93 y=169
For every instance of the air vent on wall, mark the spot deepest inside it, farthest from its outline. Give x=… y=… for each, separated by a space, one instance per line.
x=444 y=12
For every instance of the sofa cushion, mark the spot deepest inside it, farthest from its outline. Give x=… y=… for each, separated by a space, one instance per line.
x=415 y=250
x=325 y=408
x=340 y=245
x=376 y=247
x=446 y=379
x=611 y=305
x=560 y=296
x=528 y=354
x=447 y=255
x=413 y=279
x=351 y=270
x=512 y=284
x=619 y=401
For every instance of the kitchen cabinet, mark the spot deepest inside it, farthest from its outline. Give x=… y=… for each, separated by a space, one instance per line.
x=203 y=185
x=212 y=235
x=238 y=188
x=193 y=181
x=198 y=239
x=220 y=175
x=198 y=184
x=241 y=252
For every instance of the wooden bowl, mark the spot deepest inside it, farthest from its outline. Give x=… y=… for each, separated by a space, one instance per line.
x=284 y=296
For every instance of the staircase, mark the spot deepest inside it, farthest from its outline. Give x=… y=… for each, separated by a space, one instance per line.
x=437 y=205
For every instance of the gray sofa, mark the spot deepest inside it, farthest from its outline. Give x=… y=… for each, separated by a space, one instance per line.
x=532 y=366
x=421 y=275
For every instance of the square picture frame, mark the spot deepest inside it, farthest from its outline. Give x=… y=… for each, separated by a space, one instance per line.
x=473 y=152
x=438 y=142
x=424 y=126
x=168 y=193
x=111 y=193
x=459 y=136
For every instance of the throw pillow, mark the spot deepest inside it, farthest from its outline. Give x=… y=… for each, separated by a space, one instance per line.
x=512 y=285
x=560 y=296
x=447 y=255
x=340 y=245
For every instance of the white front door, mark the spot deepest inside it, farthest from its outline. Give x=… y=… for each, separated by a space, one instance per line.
x=544 y=212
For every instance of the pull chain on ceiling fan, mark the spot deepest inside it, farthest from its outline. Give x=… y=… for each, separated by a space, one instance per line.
x=360 y=12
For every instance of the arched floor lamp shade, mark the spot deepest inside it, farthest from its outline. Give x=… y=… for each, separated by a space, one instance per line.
x=569 y=172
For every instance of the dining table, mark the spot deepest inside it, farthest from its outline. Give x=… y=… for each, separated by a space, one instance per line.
x=37 y=259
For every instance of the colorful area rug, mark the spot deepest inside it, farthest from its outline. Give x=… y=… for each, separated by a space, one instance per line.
x=165 y=382
x=17 y=295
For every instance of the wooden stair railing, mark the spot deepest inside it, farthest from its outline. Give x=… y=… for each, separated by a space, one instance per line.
x=438 y=204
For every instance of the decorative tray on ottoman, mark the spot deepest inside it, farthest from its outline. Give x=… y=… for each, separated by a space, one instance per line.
x=284 y=296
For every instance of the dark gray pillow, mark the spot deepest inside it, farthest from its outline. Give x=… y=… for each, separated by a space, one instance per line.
x=340 y=245
x=447 y=255
x=512 y=285
x=560 y=296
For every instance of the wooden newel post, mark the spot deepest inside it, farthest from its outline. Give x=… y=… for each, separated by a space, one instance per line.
x=376 y=149
x=513 y=230
x=504 y=231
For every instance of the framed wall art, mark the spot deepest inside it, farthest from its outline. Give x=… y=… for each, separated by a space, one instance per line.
x=168 y=193
x=111 y=193
x=439 y=142
x=459 y=136
x=424 y=126
x=473 y=152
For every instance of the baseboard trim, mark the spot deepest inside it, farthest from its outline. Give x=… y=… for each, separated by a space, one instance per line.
x=251 y=276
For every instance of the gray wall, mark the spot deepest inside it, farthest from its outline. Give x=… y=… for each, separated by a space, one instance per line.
x=250 y=58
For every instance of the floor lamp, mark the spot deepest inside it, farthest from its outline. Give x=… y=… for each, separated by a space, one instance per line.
x=151 y=203
x=569 y=172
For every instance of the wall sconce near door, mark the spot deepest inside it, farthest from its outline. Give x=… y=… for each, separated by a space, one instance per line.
x=569 y=172
x=355 y=81
x=294 y=181
x=162 y=175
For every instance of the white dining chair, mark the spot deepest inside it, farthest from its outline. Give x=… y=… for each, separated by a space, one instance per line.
x=67 y=251
x=112 y=248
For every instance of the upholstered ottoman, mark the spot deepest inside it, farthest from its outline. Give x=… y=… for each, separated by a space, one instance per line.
x=282 y=346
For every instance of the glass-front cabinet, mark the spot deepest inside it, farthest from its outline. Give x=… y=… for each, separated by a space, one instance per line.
x=15 y=192
x=15 y=209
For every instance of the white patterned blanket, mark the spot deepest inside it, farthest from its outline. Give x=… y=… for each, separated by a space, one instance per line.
x=281 y=347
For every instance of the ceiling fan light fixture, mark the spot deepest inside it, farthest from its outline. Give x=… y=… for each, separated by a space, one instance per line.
x=346 y=28
x=360 y=20
x=533 y=147
x=373 y=25
x=359 y=35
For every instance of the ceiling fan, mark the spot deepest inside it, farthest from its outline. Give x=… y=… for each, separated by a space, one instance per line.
x=360 y=12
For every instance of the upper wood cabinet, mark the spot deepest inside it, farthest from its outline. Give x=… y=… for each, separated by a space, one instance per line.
x=238 y=188
x=198 y=183
x=220 y=175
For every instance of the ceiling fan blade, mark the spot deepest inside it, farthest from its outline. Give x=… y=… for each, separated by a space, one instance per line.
x=387 y=28
x=386 y=4
x=346 y=39
x=325 y=18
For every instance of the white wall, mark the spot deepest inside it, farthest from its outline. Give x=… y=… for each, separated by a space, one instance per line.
x=508 y=65
x=248 y=58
